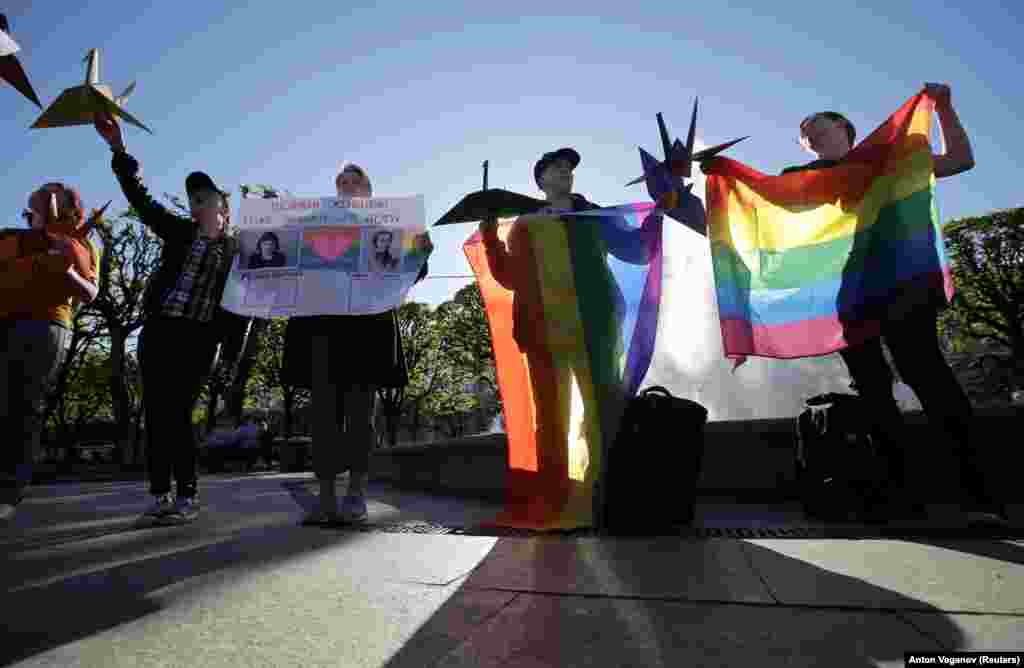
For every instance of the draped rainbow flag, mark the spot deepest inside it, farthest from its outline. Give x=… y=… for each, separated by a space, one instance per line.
x=572 y=304
x=811 y=262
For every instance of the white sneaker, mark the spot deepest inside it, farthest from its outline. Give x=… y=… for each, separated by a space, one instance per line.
x=185 y=509
x=163 y=505
x=353 y=509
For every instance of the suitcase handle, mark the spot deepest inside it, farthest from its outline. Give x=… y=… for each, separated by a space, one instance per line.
x=657 y=389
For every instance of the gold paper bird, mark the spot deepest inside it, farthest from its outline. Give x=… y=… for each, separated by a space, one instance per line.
x=79 y=105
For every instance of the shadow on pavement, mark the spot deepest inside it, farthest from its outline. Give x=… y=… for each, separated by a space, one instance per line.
x=578 y=625
x=37 y=619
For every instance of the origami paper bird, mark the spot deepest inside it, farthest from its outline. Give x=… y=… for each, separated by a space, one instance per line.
x=490 y=203
x=79 y=105
x=10 y=69
x=96 y=219
x=665 y=179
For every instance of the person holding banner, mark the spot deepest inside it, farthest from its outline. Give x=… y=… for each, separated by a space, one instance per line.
x=319 y=356
x=913 y=338
x=184 y=322
x=45 y=273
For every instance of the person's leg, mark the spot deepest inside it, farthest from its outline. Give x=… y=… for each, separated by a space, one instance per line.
x=328 y=416
x=874 y=380
x=359 y=402
x=358 y=441
x=10 y=377
x=10 y=400
x=159 y=354
x=551 y=383
x=40 y=347
x=593 y=407
x=918 y=358
x=194 y=370
x=47 y=349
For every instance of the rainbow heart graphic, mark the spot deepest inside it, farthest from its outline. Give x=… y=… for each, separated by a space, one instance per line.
x=331 y=243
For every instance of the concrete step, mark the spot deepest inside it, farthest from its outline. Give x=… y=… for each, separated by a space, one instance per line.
x=753 y=458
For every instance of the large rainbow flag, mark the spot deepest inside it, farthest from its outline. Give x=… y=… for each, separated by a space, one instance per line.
x=572 y=303
x=811 y=262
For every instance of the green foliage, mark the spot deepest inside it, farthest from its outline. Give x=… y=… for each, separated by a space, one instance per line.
x=467 y=335
x=464 y=358
x=266 y=381
x=987 y=257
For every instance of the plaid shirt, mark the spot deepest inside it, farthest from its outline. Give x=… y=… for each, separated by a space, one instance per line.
x=194 y=296
x=193 y=270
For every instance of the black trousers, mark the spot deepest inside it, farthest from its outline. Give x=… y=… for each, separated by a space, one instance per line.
x=914 y=344
x=176 y=355
x=31 y=352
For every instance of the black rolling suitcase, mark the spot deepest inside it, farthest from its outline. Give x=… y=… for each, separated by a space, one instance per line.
x=837 y=459
x=653 y=465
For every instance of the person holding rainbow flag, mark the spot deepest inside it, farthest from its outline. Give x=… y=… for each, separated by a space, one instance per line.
x=843 y=252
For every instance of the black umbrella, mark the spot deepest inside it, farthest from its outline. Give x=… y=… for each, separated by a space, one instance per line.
x=490 y=203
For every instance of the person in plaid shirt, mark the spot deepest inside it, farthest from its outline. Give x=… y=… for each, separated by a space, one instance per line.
x=178 y=342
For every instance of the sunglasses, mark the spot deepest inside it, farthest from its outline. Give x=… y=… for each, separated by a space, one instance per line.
x=27 y=215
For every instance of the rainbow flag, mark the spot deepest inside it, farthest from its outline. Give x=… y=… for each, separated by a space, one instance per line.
x=811 y=262
x=572 y=303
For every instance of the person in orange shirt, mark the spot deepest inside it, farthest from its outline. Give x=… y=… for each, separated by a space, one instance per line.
x=46 y=271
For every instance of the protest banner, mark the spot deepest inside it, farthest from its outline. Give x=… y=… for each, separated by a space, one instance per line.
x=325 y=256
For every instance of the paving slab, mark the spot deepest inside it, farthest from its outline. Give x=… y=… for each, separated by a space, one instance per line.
x=951 y=576
x=569 y=631
x=669 y=568
x=51 y=538
x=245 y=585
x=310 y=611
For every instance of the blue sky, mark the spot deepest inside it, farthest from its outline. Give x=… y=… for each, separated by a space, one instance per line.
x=420 y=95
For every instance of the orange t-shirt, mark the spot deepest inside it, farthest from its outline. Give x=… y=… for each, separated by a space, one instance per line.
x=34 y=284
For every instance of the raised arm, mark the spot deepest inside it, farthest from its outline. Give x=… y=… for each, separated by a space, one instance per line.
x=499 y=259
x=153 y=215
x=956 y=156
x=627 y=243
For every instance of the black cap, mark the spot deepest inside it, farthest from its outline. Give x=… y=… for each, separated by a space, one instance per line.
x=561 y=154
x=198 y=181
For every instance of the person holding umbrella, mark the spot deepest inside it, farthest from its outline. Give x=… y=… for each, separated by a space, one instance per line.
x=557 y=353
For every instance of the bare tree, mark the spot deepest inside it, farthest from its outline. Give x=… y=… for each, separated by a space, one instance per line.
x=130 y=256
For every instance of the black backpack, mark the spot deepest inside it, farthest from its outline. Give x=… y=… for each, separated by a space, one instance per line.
x=837 y=459
x=653 y=465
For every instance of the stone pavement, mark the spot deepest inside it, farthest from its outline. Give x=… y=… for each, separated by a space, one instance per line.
x=247 y=586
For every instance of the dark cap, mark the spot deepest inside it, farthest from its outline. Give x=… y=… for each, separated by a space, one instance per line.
x=561 y=154
x=198 y=181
